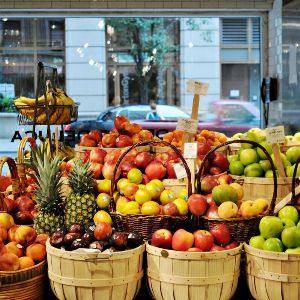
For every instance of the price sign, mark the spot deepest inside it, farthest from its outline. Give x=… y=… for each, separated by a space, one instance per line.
x=179 y=171
x=187 y=125
x=275 y=135
x=190 y=150
x=197 y=87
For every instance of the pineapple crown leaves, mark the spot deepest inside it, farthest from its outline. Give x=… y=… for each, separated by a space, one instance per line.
x=49 y=184
x=81 y=178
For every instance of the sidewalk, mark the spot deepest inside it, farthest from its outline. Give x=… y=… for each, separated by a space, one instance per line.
x=6 y=146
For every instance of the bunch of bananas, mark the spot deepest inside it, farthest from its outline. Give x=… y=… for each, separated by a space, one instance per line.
x=59 y=107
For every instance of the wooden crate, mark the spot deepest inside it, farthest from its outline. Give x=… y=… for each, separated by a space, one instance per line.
x=272 y=275
x=177 y=275
x=82 y=276
x=23 y=284
x=261 y=187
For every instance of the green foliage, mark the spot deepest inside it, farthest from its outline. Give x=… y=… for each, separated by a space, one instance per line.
x=6 y=104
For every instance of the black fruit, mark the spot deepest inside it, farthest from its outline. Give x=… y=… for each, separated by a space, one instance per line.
x=88 y=237
x=134 y=240
x=57 y=239
x=63 y=230
x=90 y=227
x=70 y=237
x=76 y=228
x=78 y=243
x=119 y=240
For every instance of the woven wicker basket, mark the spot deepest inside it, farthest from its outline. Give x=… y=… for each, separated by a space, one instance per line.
x=178 y=275
x=24 y=284
x=147 y=224
x=21 y=161
x=92 y=276
x=240 y=228
x=14 y=180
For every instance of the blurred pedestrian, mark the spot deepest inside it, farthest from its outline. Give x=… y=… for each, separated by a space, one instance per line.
x=153 y=114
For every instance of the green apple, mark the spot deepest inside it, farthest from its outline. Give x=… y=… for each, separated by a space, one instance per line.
x=282 y=156
x=293 y=154
x=233 y=157
x=257 y=242
x=290 y=171
x=265 y=164
x=254 y=170
x=251 y=136
x=291 y=237
x=289 y=212
x=297 y=136
x=237 y=136
x=291 y=251
x=288 y=223
x=273 y=244
x=254 y=130
x=298 y=224
x=248 y=156
x=269 y=174
x=236 y=168
x=289 y=137
x=267 y=146
x=286 y=163
x=224 y=192
x=270 y=226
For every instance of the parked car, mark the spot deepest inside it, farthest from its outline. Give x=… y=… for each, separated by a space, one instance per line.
x=224 y=116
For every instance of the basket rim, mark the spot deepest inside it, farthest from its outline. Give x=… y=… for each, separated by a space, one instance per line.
x=169 y=253
x=239 y=219
x=3 y=273
x=148 y=216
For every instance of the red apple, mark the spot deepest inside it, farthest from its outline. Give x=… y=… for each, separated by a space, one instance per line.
x=123 y=141
x=197 y=204
x=212 y=212
x=215 y=171
x=97 y=155
x=202 y=149
x=119 y=121
x=113 y=156
x=96 y=169
x=220 y=160
x=203 y=240
x=155 y=170
x=221 y=234
x=170 y=170
x=206 y=163
x=145 y=135
x=216 y=248
x=87 y=141
x=170 y=209
x=109 y=140
x=84 y=156
x=194 y=249
x=102 y=231
x=162 y=238
x=96 y=135
x=25 y=203
x=11 y=205
x=5 y=181
x=210 y=200
x=145 y=179
x=69 y=165
x=108 y=169
x=143 y=159
x=23 y=217
x=173 y=156
x=162 y=157
x=208 y=182
x=182 y=240
x=126 y=166
x=225 y=179
x=232 y=245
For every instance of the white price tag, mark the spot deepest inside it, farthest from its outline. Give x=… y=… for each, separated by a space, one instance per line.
x=275 y=135
x=197 y=87
x=187 y=125
x=190 y=150
x=179 y=170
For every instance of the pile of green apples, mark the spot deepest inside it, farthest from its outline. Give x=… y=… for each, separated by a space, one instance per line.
x=251 y=161
x=279 y=234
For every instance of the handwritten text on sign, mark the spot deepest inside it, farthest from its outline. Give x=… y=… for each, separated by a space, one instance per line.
x=190 y=150
x=197 y=87
x=187 y=125
x=275 y=135
x=179 y=170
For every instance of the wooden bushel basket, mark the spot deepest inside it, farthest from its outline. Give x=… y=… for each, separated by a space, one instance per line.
x=15 y=181
x=177 y=275
x=95 y=276
x=23 y=284
x=241 y=229
x=145 y=225
x=272 y=275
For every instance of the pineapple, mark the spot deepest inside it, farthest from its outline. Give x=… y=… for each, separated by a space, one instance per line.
x=48 y=193
x=80 y=205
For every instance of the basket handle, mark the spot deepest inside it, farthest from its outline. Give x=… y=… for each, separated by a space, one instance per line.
x=295 y=180
x=201 y=169
x=20 y=158
x=146 y=143
x=14 y=179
